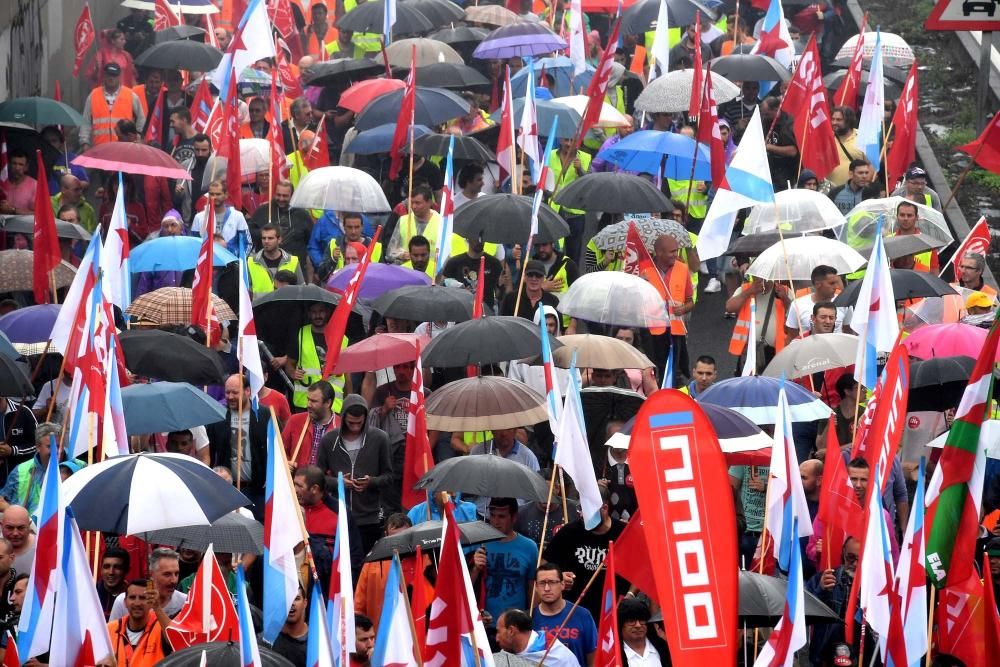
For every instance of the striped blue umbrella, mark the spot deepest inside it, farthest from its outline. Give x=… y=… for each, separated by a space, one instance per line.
x=756 y=398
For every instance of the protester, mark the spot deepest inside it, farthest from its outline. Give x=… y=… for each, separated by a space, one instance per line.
x=515 y=635
x=305 y=430
x=138 y=637
x=577 y=631
x=638 y=646
x=112 y=582
x=164 y=568
x=294 y=635
x=507 y=564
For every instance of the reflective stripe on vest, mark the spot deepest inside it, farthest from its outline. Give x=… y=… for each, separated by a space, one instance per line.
x=103 y=119
x=677 y=283
x=741 y=332
x=555 y=165
x=616 y=265
x=698 y=208
x=309 y=364
x=260 y=278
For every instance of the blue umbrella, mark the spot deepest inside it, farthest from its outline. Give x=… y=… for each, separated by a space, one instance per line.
x=560 y=68
x=644 y=151
x=173 y=253
x=29 y=325
x=519 y=39
x=756 y=398
x=7 y=348
x=545 y=111
x=379 y=279
x=379 y=139
x=161 y=407
x=736 y=433
x=434 y=106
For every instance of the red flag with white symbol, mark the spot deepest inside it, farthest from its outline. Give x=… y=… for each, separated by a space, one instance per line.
x=609 y=651
x=164 y=16
x=202 y=312
x=903 y=151
x=417 y=459
x=83 y=37
x=977 y=241
x=806 y=97
x=598 y=87
x=404 y=127
x=209 y=614
x=708 y=130
x=337 y=326
x=847 y=91
x=698 y=79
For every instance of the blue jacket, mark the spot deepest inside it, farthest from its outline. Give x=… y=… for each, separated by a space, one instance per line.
x=327 y=228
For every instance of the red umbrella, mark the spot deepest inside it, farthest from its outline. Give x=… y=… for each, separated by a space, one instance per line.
x=360 y=94
x=132 y=158
x=380 y=351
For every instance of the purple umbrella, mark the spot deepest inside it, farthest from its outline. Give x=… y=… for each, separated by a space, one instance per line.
x=30 y=325
x=379 y=279
x=519 y=39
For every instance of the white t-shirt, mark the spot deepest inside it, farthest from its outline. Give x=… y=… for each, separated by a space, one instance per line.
x=802 y=307
x=174 y=605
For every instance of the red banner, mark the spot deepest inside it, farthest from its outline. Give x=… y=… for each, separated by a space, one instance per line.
x=83 y=37
x=806 y=98
x=978 y=241
x=880 y=441
x=682 y=485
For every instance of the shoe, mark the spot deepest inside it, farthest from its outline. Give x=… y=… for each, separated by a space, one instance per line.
x=713 y=286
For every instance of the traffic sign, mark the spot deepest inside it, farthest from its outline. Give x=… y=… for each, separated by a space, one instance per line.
x=964 y=15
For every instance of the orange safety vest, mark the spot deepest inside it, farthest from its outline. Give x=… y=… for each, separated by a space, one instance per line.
x=149 y=649
x=140 y=92
x=316 y=48
x=105 y=119
x=677 y=283
x=741 y=332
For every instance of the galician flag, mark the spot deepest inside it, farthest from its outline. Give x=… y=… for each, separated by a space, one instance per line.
x=874 y=318
x=447 y=208
x=872 y=120
x=548 y=369
x=907 y=641
x=876 y=569
x=281 y=536
x=573 y=452
x=394 y=644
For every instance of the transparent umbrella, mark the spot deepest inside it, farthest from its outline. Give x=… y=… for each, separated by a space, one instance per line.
x=615 y=298
x=610 y=117
x=863 y=220
x=895 y=51
x=672 y=93
x=340 y=189
x=797 y=210
x=799 y=256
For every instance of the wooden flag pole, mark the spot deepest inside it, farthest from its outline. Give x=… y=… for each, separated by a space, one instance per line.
x=239 y=422
x=961 y=177
x=545 y=527
x=576 y=603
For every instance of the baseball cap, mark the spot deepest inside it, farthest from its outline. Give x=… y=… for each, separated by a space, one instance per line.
x=113 y=68
x=536 y=267
x=978 y=300
x=915 y=172
x=993 y=547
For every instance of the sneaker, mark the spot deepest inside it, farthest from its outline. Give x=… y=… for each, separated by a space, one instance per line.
x=713 y=286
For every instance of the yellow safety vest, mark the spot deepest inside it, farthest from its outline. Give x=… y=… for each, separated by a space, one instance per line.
x=408 y=229
x=308 y=363
x=431 y=269
x=260 y=278
x=376 y=254
x=599 y=256
x=364 y=42
x=682 y=255
x=698 y=208
x=555 y=164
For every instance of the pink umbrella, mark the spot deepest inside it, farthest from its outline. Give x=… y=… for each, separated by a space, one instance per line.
x=132 y=158
x=380 y=351
x=945 y=340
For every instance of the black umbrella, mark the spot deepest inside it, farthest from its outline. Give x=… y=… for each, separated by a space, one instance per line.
x=488 y=340
x=280 y=314
x=368 y=17
x=233 y=533
x=833 y=80
x=427 y=536
x=25 y=224
x=641 y=17
x=506 y=218
x=221 y=654
x=438 y=12
x=168 y=356
x=422 y=303
x=448 y=75
x=762 y=602
x=486 y=475
x=432 y=106
x=906 y=284
x=938 y=383
x=750 y=68
x=460 y=35
x=177 y=32
x=466 y=147
x=757 y=243
x=13 y=380
x=307 y=294
x=342 y=70
x=613 y=193
x=894 y=73
x=603 y=404
x=181 y=54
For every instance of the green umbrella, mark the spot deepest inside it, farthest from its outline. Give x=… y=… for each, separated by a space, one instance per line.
x=38 y=111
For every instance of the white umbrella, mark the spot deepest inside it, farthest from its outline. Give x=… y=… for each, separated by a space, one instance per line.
x=672 y=92
x=610 y=116
x=796 y=210
x=801 y=255
x=812 y=354
x=895 y=51
x=863 y=220
x=255 y=157
x=989 y=435
x=429 y=52
x=340 y=189
x=615 y=298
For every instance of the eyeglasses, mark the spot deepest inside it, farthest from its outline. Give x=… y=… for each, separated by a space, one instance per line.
x=850 y=558
x=549 y=584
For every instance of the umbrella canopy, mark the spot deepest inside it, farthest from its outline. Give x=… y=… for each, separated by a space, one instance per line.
x=432 y=106
x=13 y=380
x=30 y=325
x=233 y=533
x=466 y=147
x=7 y=348
x=369 y=17
x=142 y=492
x=428 y=52
x=173 y=253
x=863 y=219
x=299 y=294
x=756 y=398
x=484 y=403
x=506 y=218
x=451 y=75
x=461 y=34
x=938 y=383
x=519 y=40
x=360 y=94
x=758 y=243
x=132 y=158
x=798 y=257
x=379 y=279
x=546 y=111
x=603 y=404
x=613 y=237
x=609 y=118
x=180 y=54
x=280 y=313
x=379 y=139
x=340 y=189
x=438 y=12
x=25 y=224
x=184 y=6
x=940 y=340
x=614 y=298
x=560 y=68
x=38 y=111
x=762 y=602
x=652 y=152
x=795 y=210
x=487 y=475
x=221 y=654
x=255 y=156
x=594 y=351
x=613 y=193
x=427 y=536
x=906 y=284
x=168 y=356
x=891 y=87
x=743 y=67
x=176 y=32
x=161 y=407
x=895 y=51
x=813 y=354
x=340 y=70
x=380 y=351
x=495 y=15
x=16 y=271
x=487 y=340
x=426 y=304
x=172 y=305
x=641 y=17
x=900 y=246
x=671 y=93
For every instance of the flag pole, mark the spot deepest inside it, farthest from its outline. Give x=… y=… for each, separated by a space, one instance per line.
x=576 y=603
x=545 y=527
x=524 y=269
x=298 y=442
x=961 y=177
x=239 y=416
x=930 y=624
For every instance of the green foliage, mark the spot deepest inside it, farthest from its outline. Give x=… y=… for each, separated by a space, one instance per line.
x=986 y=179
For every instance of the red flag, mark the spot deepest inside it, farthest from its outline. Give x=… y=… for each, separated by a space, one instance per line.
x=694 y=104
x=903 y=151
x=446 y=627
x=229 y=145
x=154 y=125
x=992 y=617
x=985 y=150
x=472 y=370
x=417 y=457
x=279 y=163
x=609 y=650
x=403 y=128
x=598 y=87
x=282 y=19
x=637 y=259
x=196 y=624
x=291 y=84
x=337 y=325
x=164 y=16
x=83 y=37
x=202 y=107
x=201 y=289
x=847 y=91
x=813 y=130
x=839 y=509
x=319 y=153
x=46 y=243
x=418 y=600
x=633 y=557
x=708 y=130
x=505 y=139
x=977 y=241
x=682 y=485
x=10 y=657
x=961 y=621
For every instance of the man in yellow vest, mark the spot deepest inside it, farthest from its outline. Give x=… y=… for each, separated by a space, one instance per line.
x=420 y=256
x=672 y=280
x=306 y=367
x=907 y=216
x=560 y=270
x=105 y=106
x=421 y=219
x=704 y=374
x=568 y=164
x=353 y=226
x=263 y=265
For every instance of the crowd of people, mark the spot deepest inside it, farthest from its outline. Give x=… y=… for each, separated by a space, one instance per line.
x=529 y=581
